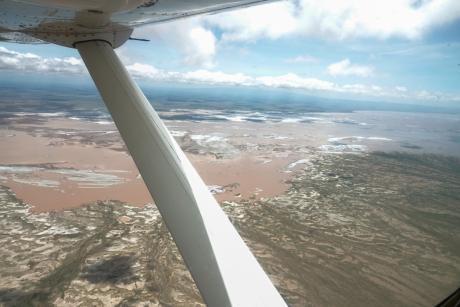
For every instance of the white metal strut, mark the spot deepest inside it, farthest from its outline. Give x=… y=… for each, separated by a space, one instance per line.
x=223 y=267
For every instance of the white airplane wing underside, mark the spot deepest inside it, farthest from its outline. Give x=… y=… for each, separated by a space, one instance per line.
x=30 y=21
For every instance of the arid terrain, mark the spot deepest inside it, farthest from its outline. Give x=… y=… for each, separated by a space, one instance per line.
x=341 y=209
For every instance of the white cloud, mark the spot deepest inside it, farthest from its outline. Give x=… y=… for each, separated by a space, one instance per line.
x=273 y=20
x=332 y=19
x=363 y=89
x=288 y=81
x=301 y=59
x=143 y=70
x=294 y=81
x=346 y=68
x=216 y=77
x=426 y=95
x=31 y=62
x=196 y=43
x=194 y=37
x=203 y=49
x=203 y=76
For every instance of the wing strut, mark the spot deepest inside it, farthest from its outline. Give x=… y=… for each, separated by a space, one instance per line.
x=224 y=269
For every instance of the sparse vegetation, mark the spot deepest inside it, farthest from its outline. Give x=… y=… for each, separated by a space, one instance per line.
x=375 y=229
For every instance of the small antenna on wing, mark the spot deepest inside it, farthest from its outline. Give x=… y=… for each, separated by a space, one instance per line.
x=139 y=39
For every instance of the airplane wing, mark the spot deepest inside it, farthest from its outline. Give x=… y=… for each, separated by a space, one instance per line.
x=27 y=21
x=223 y=267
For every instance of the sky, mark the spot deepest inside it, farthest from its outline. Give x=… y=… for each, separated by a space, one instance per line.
x=393 y=50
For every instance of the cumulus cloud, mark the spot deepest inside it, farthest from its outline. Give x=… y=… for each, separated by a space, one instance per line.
x=287 y=81
x=31 y=62
x=357 y=88
x=294 y=81
x=195 y=38
x=215 y=77
x=301 y=59
x=209 y=77
x=143 y=70
x=273 y=20
x=331 y=19
x=346 y=68
x=196 y=43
